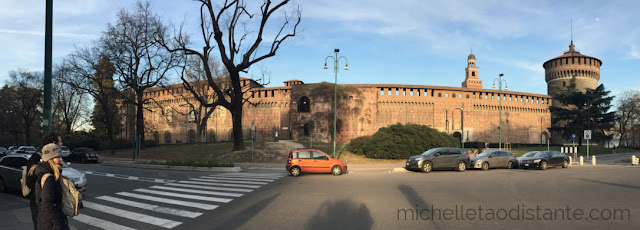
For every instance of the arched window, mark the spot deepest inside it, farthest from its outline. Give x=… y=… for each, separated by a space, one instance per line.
x=304 y=105
x=192 y=136
x=305 y=130
x=167 y=137
x=564 y=84
x=473 y=74
x=212 y=136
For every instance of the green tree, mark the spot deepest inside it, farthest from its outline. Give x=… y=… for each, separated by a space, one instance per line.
x=583 y=110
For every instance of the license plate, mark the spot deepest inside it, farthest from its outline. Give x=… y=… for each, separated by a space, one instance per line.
x=526 y=164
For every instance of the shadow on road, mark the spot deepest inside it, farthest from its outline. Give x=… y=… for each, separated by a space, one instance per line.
x=415 y=201
x=246 y=214
x=613 y=184
x=342 y=214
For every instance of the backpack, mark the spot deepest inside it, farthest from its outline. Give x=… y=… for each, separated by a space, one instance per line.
x=71 y=198
x=23 y=182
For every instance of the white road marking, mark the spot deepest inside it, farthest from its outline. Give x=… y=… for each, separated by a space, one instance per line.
x=198 y=191
x=89 y=220
x=194 y=197
x=132 y=215
x=235 y=178
x=209 y=187
x=169 y=201
x=220 y=184
x=230 y=181
x=151 y=207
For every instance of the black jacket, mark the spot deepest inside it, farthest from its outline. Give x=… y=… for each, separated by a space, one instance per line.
x=49 y=199
x=31 y=179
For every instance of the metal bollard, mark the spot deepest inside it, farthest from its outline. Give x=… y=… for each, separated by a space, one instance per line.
x=593 y=160
x=570 y=160
x=581 y=160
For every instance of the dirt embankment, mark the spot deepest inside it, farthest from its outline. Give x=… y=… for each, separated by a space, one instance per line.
x=271 y=152
x=264 y=152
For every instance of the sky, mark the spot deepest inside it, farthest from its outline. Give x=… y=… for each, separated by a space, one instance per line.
x=385 y=42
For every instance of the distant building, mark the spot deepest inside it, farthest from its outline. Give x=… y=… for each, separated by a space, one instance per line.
x=304 y=112
x=560 y=70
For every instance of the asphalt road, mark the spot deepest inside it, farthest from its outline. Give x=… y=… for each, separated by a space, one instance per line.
x=365 y=198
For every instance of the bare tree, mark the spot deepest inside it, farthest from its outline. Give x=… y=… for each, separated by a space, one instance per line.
x=140 y=62
x=29 y=93
x=226 y=27
x=92 y=72
x=194 y=75
x=70 y=107
x=9 y=130
x=628 y=117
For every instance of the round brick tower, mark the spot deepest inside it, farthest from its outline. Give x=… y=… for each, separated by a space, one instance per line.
x=559 y=71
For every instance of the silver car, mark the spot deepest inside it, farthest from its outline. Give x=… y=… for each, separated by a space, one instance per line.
x=494 y=159
x=11 y=172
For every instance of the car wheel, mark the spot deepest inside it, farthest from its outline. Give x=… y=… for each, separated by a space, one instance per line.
x=295 y=171
x=565 y=164
x=510 y=165
x=2 y=187
x=336 y=170
x=84 y=160
x=461 y=166
x=543 y=165
x=426 y=166
x=485 y=166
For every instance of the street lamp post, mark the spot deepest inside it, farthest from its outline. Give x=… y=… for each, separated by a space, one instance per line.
x=499 y=78
x=336 y=59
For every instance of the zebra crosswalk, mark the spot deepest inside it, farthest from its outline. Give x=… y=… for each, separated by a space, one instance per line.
x=168 y=205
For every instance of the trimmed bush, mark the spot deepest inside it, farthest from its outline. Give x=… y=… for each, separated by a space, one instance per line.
x=357 y=145
x=403 y=141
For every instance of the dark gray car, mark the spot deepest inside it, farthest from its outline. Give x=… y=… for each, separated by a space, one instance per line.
x=494 y=159
x=439 y=158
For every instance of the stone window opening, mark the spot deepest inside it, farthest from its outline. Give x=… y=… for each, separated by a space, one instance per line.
x=304 y=105
x=473 y=74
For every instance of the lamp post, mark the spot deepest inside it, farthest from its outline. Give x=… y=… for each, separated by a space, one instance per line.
x=588 y=104
x=499 y=78
x=336 y=59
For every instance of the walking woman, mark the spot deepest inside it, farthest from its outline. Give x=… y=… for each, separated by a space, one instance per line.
x=48 y=191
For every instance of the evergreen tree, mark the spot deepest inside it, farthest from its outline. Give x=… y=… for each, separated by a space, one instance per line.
x=589 y=110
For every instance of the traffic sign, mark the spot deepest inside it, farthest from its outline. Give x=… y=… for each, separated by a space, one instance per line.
x=587 y=134
x=573 y=137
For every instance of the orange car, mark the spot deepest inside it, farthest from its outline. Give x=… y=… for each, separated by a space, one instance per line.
x=305 y=160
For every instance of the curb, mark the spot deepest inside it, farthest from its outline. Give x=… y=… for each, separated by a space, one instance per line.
x=176 y=168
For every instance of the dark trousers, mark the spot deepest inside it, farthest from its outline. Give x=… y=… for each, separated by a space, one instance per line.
x=34 y=216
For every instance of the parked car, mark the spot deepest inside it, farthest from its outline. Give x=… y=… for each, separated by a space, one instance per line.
x=25 y=150
x=306 y=160
x=83 y=155
x=439 y=158
x=65 y=152
x=11 y=150
x=525 y=156
x=11 y=172
x=494 y=159
x=544 y=159
x=3 y=151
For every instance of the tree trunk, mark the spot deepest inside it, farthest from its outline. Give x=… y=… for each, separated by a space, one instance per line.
x=140 y=118
x=238 y=142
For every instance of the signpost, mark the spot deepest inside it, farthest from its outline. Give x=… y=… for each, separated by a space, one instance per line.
x=253 y=136
x=573 y=139
x=587 y=136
